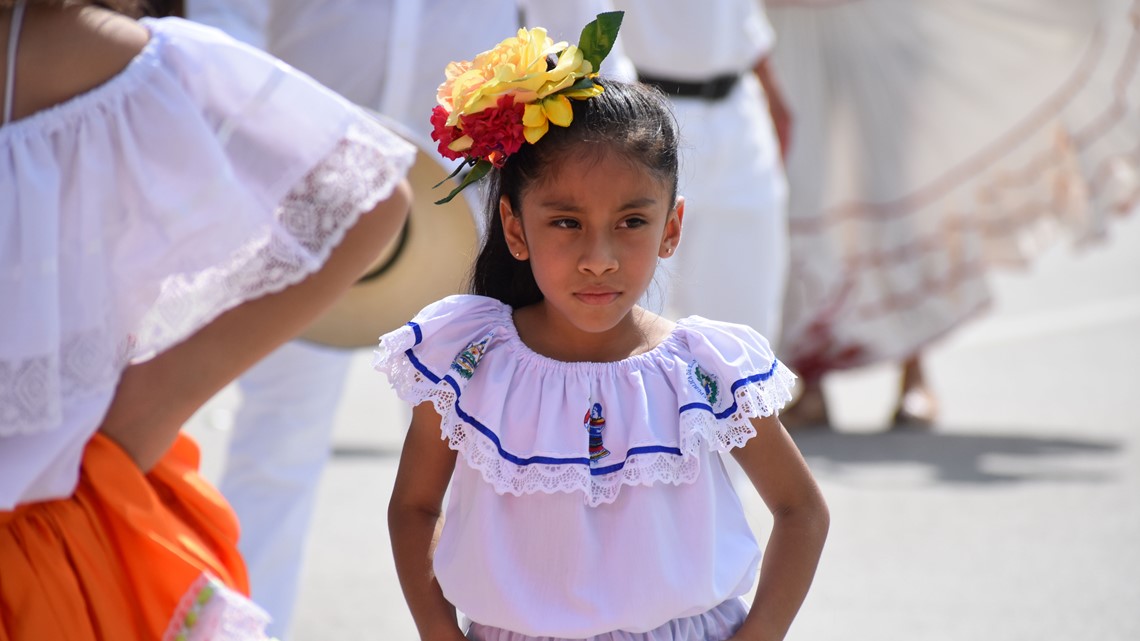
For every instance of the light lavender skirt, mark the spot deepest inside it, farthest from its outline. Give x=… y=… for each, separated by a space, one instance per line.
x=717 y=624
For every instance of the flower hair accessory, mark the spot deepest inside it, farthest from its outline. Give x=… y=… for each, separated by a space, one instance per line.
x=489 y=106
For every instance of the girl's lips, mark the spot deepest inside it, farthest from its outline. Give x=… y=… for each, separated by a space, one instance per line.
x=597 y=298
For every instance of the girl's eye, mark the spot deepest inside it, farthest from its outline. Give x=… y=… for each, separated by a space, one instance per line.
x=565 y=223
x=634 y=222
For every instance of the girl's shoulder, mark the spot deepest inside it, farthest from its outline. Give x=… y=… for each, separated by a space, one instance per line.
x=73 y=51
x=439 y=336
x=451 y=320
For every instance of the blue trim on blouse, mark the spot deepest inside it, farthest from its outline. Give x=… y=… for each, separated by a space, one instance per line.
x=585 y=460
x=731 y=409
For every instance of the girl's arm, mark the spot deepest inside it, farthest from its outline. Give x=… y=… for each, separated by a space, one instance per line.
x=776 y=468
x=426 y=464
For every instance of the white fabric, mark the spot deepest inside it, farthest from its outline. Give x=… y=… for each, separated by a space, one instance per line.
x=542 y=536
x=246 y=20
x=732 y=260
x=210 y=611
x=717 y=624
x=139 y=211
x=686 y=40
x=936 y=141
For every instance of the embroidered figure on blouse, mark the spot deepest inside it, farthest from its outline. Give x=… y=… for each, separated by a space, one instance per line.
x=704 y=383
x=595 y=423
x=467 y=360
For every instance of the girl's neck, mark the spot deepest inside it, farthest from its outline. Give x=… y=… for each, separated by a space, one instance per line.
x=545 y=332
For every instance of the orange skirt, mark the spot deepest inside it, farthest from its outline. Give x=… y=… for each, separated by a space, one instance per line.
x=127 y=556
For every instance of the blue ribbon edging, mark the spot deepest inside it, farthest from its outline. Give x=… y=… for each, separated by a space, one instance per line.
x=583 y=460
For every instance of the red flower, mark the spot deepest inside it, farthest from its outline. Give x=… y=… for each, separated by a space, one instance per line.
x=496 y=132
x=443 y=134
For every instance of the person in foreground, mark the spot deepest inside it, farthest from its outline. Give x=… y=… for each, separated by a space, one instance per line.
x=176 y=205
x=580 y=432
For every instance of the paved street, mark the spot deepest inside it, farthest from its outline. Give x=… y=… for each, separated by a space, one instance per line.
x=1018 y=518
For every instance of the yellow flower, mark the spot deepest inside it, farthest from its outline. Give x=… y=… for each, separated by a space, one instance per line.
x=537 y=116
x=517 y=67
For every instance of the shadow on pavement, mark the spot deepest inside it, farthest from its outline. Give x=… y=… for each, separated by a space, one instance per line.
x=973 y=458
x=351 y=451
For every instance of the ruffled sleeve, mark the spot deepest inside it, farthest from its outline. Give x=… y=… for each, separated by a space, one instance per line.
x=436 y=353
x=203 y=175
x=732 y=377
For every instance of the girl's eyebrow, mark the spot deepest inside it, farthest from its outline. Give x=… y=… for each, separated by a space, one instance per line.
x=558 y=204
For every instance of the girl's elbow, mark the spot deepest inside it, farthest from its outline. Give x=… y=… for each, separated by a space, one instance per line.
x=823 y=518
x=811 y=513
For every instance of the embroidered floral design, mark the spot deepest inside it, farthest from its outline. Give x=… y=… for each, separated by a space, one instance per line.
x=193 y=610
x=467 y=360
x=595 y=423
x=704 y=383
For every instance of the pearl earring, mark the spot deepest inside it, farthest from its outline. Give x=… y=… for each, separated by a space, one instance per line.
x=516 y=254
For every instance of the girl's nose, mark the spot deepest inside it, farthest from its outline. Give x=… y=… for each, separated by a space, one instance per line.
x=598 y=256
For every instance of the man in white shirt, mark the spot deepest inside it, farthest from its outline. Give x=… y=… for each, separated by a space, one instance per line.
x=388 y=55
x=711 y=58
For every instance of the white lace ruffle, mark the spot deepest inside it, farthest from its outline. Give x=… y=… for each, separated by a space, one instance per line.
x=309 y=223
x=210 y=611
x=481 y=453
x=291 y=244
x=753 y=400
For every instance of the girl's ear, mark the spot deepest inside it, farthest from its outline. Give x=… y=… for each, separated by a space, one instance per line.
x=672 y=236
x=513 y=230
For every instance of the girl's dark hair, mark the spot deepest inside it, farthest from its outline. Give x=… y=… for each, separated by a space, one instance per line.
x=633 y=120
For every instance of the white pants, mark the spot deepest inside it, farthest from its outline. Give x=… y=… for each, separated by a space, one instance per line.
x=280 y=444
x=732 y=262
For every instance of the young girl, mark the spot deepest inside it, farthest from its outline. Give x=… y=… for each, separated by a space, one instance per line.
x=175 y=205
x=580 y=432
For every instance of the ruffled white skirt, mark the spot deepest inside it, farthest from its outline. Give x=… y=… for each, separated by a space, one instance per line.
x=934 y=141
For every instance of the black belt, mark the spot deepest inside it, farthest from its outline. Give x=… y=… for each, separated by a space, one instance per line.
x=713 y=89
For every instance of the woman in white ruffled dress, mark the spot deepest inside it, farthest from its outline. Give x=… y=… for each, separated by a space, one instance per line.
x=935 y=141
x=175 y=205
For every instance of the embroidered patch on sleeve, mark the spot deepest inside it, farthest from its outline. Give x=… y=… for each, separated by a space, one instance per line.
x=467 y=360
x=704 y=383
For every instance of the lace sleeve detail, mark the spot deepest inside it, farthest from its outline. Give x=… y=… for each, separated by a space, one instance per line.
x=310 y=222
x=211 y=611
x=192 y=281
x=752 y=397
x=390 y=358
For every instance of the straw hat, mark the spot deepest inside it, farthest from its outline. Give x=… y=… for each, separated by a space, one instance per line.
x=428 y=260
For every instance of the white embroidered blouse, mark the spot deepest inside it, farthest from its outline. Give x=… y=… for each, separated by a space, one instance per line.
x=202 y=175
x=588 y=497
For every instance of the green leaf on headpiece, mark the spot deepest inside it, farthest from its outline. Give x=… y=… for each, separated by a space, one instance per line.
x=598 y=37
x=453 y=174
x=582 y=83
x=478 y=171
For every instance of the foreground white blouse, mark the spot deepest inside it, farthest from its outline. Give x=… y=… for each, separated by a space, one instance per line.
x=589 y=497
x=202 y=175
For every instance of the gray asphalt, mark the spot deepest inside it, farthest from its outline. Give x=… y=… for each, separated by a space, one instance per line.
x=1017 y=518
